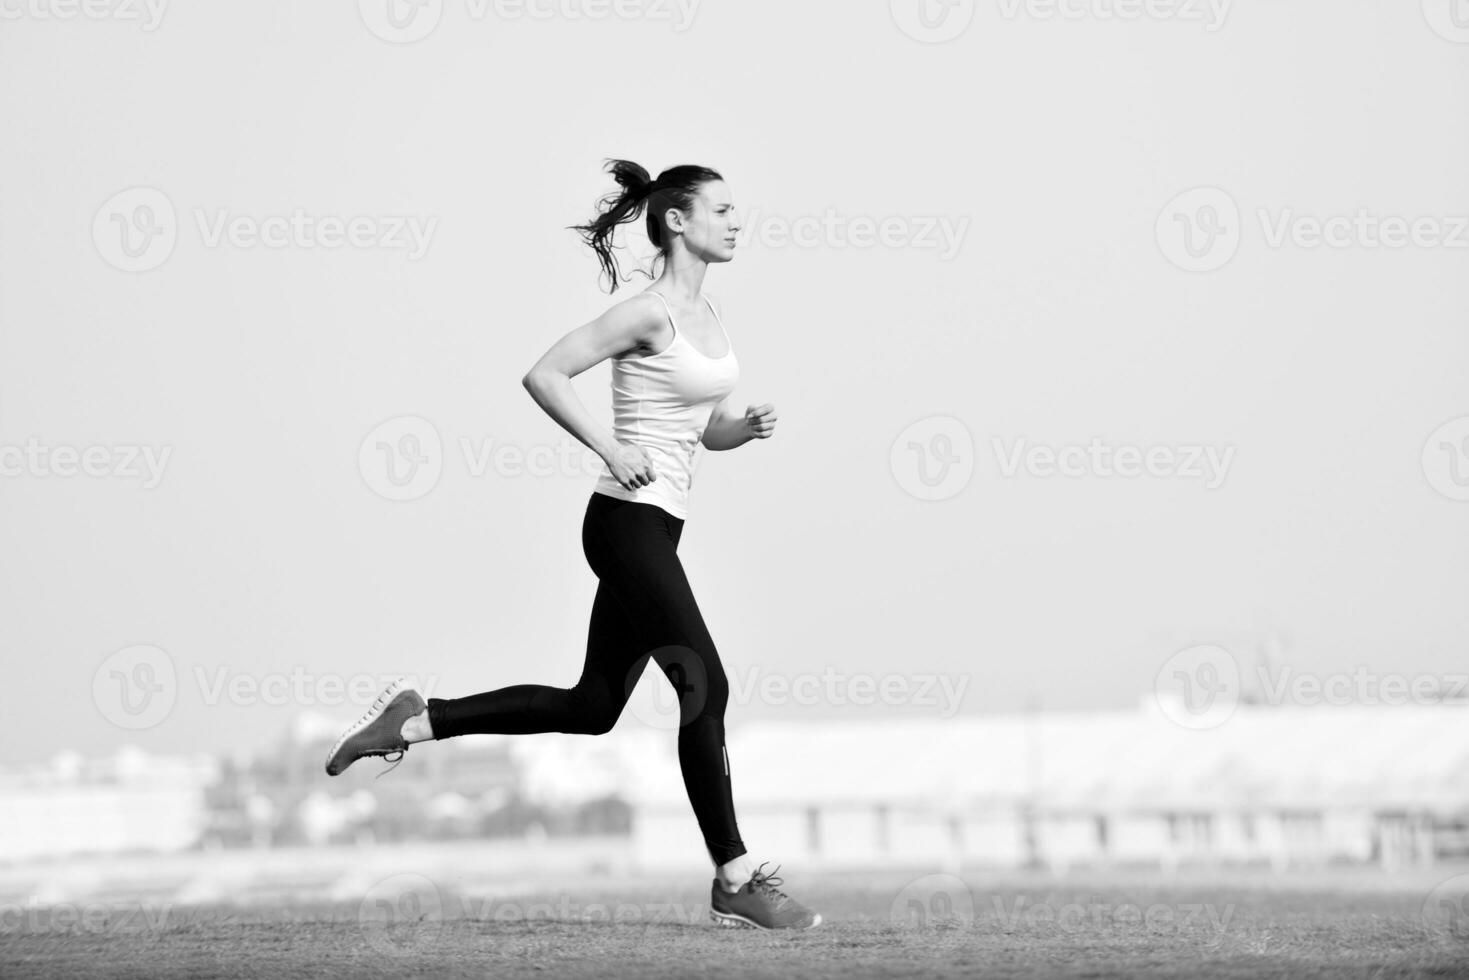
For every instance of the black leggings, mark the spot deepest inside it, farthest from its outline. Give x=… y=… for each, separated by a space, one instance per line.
x=644 y=607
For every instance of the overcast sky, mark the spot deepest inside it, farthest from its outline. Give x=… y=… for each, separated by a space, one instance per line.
x=997 y=256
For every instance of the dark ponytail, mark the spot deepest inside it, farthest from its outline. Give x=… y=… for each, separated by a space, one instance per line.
x=675 y=188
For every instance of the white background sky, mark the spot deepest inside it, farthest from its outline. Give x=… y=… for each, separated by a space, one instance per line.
x=1055 y=144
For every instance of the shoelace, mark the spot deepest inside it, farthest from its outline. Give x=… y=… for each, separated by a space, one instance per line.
x=767 y=882
x=388 y=757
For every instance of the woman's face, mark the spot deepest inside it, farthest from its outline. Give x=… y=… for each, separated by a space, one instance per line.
x=710 y=226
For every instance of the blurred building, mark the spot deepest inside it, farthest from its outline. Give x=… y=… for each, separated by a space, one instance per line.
x=1270 y=786
x=477 y=788
x=1279 y=787
x=283 y=796
x=128 y=802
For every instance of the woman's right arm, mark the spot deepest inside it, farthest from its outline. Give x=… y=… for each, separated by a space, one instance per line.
x=623 y=327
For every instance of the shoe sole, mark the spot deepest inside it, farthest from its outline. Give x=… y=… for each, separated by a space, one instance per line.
x=360 y=725
x=731 y=920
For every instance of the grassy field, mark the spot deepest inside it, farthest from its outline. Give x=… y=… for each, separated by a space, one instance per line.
x=1011 y=925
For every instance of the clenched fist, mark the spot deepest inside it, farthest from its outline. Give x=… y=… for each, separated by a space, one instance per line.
x=630 y=466
x=761 y=420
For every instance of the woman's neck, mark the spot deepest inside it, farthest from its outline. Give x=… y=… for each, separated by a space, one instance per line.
x=682 y=280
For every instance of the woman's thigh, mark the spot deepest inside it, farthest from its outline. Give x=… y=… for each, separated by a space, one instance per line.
x=632 y=549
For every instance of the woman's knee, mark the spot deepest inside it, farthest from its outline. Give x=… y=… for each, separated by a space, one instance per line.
x=594 y=712
x=718 y=688
x=699 y=682
x=599 y=724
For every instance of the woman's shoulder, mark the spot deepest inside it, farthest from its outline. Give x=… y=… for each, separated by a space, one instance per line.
x=643 y=321
x=645 y=302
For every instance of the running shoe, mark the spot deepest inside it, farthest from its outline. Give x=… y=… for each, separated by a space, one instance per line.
x=760 y=904
x=379 y=732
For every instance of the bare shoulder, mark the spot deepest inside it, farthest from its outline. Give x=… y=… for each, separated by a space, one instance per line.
x=639 y=320
x=620 y=331
x=635 y=322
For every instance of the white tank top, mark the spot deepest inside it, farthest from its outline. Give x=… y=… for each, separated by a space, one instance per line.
x=663 y=402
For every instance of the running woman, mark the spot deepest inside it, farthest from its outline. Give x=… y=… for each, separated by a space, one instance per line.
x=673 y=368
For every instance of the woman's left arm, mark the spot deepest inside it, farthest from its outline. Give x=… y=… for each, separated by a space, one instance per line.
x=727 y=430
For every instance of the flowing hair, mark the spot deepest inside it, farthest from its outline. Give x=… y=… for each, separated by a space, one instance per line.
x=675 y=187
